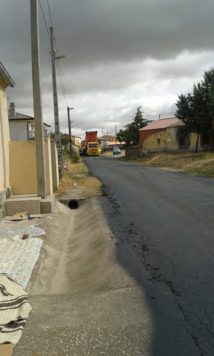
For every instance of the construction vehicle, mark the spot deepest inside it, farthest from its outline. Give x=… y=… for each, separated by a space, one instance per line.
x=91 y=147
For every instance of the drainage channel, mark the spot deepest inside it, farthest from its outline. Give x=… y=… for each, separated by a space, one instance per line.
x=71 y=203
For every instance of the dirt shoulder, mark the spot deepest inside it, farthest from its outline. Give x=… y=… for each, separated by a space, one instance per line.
x=83 y=301
x=77 y=183
x=198 y=163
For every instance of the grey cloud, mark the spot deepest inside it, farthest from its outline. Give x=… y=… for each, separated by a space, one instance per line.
x=118 y=54
x=125 y=30
x=99 y=31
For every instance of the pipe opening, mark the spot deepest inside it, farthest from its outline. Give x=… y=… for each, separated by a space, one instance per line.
x=73 y=204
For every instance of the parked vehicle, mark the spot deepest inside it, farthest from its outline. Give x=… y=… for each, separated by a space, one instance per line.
x=116 y=150
x=81 y=151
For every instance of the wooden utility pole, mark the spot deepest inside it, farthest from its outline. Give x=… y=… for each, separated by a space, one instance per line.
x=55 y=102
x=37 y=102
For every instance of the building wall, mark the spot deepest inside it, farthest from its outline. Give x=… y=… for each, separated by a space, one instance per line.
x=4 y=141
x=23 y=177
x=18 y=130
x=165 y=141
x=193 y=139
x=143 y=135
x=77 y=141
x=161 y=141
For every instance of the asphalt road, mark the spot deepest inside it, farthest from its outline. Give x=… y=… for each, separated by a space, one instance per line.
x=162 y=223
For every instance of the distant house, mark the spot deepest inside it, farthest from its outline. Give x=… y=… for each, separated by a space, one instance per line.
x=5 y=81
x=108 y=141
x=160 y=135
x=76 y=141
x=164 y=136
x=22 y=127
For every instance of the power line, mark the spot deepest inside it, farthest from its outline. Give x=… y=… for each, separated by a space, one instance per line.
x=61 y=83
x=49 y=11
x=59 y=70
x=57 y=63
x=44 y=18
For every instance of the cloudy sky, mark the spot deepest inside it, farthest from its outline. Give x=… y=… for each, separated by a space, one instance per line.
x=120 y=54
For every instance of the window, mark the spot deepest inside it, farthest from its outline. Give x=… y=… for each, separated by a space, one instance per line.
x=158 y=140
x=31 y=131
x=93 y=145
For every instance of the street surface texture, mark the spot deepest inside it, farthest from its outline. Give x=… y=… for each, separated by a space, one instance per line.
x=162 y=225
x=128 y=273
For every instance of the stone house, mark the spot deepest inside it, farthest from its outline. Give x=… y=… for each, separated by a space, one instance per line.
x=163 y=136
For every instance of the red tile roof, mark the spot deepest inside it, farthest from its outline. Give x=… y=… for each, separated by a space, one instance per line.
x=163 y=124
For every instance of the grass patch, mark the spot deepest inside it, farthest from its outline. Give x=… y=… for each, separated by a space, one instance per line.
x=76 y=178
x=73 y=173
x=199 y=163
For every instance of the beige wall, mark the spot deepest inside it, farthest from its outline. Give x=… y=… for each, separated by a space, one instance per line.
x=193 y=139
x=4 y=141
x=166 y=141
x=23 y=178
x=160 y=141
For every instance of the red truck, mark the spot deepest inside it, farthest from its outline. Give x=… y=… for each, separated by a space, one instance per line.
x=91 y=145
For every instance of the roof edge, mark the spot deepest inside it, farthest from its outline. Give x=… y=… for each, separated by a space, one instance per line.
x=6 y=75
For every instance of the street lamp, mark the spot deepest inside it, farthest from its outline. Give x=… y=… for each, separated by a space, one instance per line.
x=69 y=129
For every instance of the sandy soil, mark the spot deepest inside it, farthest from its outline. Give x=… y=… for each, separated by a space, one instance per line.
x=83 y=301
x=77 y=184
x=75 y=255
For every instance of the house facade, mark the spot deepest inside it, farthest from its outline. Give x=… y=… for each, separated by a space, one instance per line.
x=163 y=136
x=5 y=81
x=22 y=127
x=108 y=142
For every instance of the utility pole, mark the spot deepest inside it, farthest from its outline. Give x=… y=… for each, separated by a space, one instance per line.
x=55 y=102
x=69 y=129
x=37 y=101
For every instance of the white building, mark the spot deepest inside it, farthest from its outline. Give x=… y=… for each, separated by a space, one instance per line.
x=22 y=127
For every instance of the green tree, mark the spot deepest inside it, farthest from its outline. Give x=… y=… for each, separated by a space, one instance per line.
x=196 y=109
x=131 y=132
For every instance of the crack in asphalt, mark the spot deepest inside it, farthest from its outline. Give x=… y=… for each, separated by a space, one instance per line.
x=144 y=252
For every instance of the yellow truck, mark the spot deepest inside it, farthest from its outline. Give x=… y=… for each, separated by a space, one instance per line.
x=92 y=147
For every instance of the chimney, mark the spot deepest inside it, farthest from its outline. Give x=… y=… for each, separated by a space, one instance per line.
x=12 y=110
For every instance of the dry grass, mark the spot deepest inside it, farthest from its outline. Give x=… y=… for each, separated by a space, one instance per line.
x=200 y=163
x=76 y=179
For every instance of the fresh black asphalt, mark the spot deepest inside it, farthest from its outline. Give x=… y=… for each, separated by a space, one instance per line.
x=162 y=223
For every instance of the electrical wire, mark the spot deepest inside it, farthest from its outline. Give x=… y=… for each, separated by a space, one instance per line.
x=62 y=83
x=49 y=11
x=59 y=70
x=44 y=18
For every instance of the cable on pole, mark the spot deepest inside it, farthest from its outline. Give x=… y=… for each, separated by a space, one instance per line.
x=44 y=18
x=59 y=70
x=49 y=11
